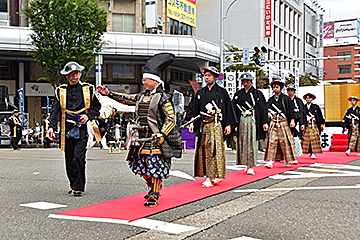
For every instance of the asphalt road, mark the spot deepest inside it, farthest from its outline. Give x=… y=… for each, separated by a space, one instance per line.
x=34 y=175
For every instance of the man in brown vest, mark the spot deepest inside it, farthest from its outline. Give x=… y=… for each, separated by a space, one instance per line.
x=75 y=104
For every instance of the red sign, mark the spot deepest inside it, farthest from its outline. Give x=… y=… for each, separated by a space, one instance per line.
x=195 y=85
x=328 y=31
x=267 y=18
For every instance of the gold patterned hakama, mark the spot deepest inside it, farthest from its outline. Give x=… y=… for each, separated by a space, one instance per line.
x=210 y=155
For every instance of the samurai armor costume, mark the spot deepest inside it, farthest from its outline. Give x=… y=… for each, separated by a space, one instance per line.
x=154 y=116
x=280 y=142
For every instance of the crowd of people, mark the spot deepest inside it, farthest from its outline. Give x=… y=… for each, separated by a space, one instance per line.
x=289 y=127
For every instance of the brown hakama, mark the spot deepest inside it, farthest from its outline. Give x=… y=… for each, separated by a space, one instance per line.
x=279 y=141
x=354 y=137
x=311 y=139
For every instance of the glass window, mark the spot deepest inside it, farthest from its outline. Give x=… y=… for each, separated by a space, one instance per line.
x=176 y=27
x=171 y=26
x=189 y=30
x=3 y=6
x=123 y=22
x=344 y=54
x=344 y=69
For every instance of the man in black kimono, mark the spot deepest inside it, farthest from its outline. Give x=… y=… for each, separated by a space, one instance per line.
x=351 y=122
x=315 y=124
x=280 y=142
x=250 y=107
x=78 y=99
x=15 y=129
x=213 y=104
x=300 y=119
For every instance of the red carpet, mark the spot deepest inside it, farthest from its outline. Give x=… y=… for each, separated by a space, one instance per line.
x=132 y=207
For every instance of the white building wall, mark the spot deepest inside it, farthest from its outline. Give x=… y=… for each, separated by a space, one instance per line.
x=244 y=26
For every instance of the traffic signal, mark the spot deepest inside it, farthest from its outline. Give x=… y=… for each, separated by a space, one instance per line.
x=257 y=55
x=260 y=55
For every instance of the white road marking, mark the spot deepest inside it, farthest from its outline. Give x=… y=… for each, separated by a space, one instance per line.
x=245 y=238
x=43 y=205
x=181 y=174
x=89 y=219
x=143 y=223
x=320 y=168
x=299 y=188
x=161 y=226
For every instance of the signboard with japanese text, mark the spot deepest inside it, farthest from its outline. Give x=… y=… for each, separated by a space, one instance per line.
x=268 y=18
x=91 y=73
x=183 y=11
x=340 y=29
x=39 y=89
x=230 y=83
x=123 y=71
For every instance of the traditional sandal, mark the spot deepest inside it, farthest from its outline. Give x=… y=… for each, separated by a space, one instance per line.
x=77 y=193
x=216 y=180
x=269 y=165
x=207 y=183
x=153 y=201
x=287 y=164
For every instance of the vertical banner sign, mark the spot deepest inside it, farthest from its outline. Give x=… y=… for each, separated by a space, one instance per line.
x=47 y=105
x=230 y=83
x=321 y=29
x=297 y=82
x=246 y=57
x=21 y=99
x=267 y=18
x=183 y=11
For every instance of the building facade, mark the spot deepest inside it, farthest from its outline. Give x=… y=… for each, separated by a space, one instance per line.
x=342 y=39
x=292 y=21
x=138 y=29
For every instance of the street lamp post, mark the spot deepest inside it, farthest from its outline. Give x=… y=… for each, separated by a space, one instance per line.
x=222 y=41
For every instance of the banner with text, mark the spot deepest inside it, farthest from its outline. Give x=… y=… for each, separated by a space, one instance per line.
x=268 y=18
x=183 y=11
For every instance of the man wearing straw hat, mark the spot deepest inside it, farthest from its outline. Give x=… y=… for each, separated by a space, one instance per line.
x=315 y=124
x=351 y=122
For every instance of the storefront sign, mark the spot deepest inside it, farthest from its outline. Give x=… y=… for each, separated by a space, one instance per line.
x=92 y=73
x=341 y=32
x=183 y=11
x=39 y=89
x=123 y=71
x=123 y=88
x=267 y=18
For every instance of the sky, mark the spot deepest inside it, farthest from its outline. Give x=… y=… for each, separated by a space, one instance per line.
x=339 y=9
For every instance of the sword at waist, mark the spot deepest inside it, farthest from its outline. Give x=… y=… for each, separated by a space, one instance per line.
x=278 y=110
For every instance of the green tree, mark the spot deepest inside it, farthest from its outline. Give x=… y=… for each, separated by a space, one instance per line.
x=236 y=57
x=304 y=80
x=63 y=31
